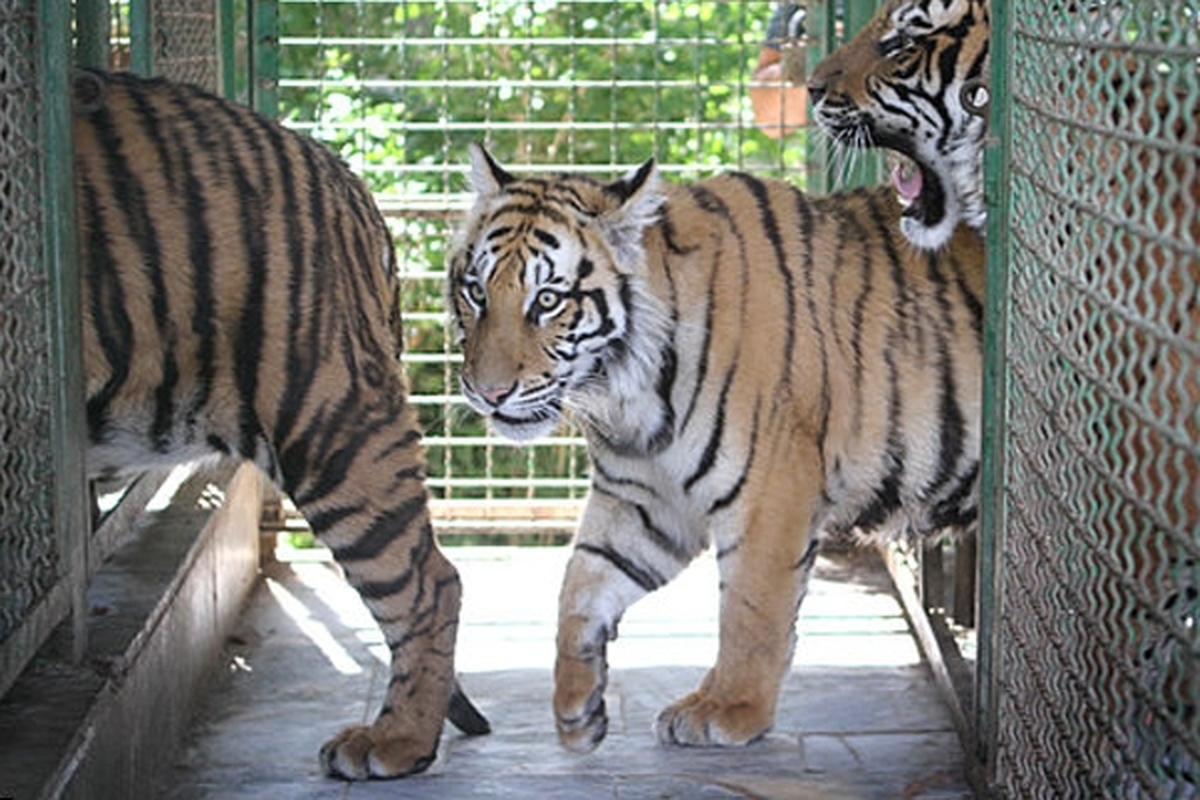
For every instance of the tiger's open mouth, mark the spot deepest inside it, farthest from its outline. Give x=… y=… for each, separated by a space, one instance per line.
x=918 y=189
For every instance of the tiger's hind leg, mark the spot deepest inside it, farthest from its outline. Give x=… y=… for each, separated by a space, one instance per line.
x=764 y=576
x=363 y=493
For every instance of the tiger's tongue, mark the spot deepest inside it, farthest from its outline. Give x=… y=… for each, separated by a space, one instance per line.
x=907 y=180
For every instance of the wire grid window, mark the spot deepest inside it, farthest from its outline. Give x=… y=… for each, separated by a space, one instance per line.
x=1100 y=646
x=401 y=88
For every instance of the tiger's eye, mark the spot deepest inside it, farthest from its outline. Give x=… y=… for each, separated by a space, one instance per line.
x=548 y=299
x=476 y=294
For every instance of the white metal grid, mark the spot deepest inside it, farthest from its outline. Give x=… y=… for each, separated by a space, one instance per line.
x=401 y=88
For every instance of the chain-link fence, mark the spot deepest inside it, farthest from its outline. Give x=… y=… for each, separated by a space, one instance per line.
x=1095 y=647
x=28 y=547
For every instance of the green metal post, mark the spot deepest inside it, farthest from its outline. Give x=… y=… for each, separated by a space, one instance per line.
x=821 y=30
x=226 y=33
x=141 y=37
x=71 y=517
x=992 y=527
x=264 y=57
x=92 y=21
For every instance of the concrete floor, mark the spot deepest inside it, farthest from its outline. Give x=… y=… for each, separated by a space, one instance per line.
x=859 y=716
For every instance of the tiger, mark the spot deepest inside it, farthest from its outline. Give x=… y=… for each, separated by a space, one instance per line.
x=914 y=80
x=240 y=300
x=753 y=369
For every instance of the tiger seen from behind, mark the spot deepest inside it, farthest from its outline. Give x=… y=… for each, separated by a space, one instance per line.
x=752 y=368
x=240 y=300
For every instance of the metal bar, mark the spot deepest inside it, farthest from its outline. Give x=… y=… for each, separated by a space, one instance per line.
x=997 y=163
x=264 y=57
x=67 y=432
x=226 y=34
x=141 y=37
x=821 y=25
x=92 y=21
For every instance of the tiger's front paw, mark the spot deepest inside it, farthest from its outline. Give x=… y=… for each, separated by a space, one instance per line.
x=579 y=711
x=701 y=720
x=364 y=752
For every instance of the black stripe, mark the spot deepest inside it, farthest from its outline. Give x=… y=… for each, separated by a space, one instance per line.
x=248 y=344
x=134 y=203
x=951 y=512
x=857 y=315
x=378 y=590
x=886 y=500
x=810 y=553
x=384 y=529
x=328 y=447
x=200 y=251
x=109 y=312
x=661 y=438
x=952 y=422
x=709 y=457
x=601 y=472
x=710 y=203
x=706 y=346
x=648 y=579
x=660 y=538
x=729 y=497
x=301 y=359
x=322 y=522
x=807 y=224
x=770 y=225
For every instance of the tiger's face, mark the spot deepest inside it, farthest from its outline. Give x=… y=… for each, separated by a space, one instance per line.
x=544 y=290
x=914 y=81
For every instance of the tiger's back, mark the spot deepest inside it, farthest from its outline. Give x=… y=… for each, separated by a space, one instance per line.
x=753 y=367
x=262 y=231
x=240 y=299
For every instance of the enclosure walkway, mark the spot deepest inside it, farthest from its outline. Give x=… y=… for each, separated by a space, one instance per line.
x=859 y=716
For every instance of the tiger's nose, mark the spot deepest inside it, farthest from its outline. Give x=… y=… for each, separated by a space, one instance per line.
x=816 y=88
x=818 y=80
x=495 y=395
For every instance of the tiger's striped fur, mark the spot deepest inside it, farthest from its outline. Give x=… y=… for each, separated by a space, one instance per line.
x=914 y=80
x=240 y=299
x=752 y=367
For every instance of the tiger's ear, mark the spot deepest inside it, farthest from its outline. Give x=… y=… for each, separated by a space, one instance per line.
x=640 y=195
x=487 y=177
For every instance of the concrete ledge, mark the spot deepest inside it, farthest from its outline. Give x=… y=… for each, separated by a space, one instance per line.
x=161 y=609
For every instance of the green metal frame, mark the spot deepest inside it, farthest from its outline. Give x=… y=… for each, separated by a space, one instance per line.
x=141 y=37
x=264 y=57
x=991 y=531
x=58 y=245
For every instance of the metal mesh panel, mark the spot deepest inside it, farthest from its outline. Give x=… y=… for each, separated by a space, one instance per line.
x=176 y=39
x=401 y=88
x=1099 y=663
x=28 y=546
x=185 y=41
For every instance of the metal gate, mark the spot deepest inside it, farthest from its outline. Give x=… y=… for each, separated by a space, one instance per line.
x=1090 y=649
